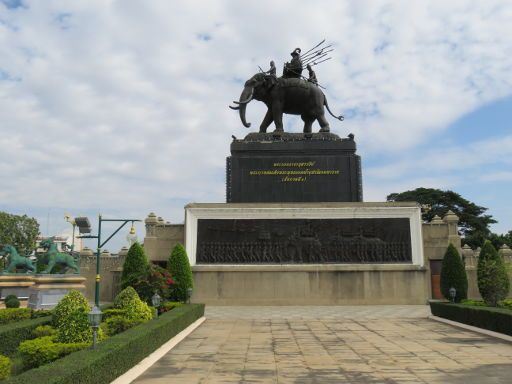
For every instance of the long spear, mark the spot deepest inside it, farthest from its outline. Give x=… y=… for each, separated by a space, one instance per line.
x=315 y=52
x=320 y=43
x=315 y=58
x=319 y=53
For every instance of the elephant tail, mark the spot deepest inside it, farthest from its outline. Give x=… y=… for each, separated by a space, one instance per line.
x=340 y=117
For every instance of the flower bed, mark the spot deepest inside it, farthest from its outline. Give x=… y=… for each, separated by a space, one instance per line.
x=491 y=318
x=115 y=355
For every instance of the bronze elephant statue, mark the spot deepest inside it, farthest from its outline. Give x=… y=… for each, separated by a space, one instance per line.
x=285 y=95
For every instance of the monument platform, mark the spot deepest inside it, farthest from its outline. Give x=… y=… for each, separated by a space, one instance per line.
x=293 y=167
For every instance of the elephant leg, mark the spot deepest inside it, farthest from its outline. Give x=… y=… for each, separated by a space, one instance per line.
x=308 y=123
x=324 y=124
x=277 y=113
x=267 y=120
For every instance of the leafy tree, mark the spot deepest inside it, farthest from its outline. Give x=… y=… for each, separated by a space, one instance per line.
x=499 y=240
x=453 y=274
x=473 y=222
x=181 y=272
x=19 y=231
x=493 y=282
x=135 y=267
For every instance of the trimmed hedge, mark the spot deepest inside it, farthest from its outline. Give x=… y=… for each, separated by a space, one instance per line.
x=493 y=319
x=11 y=335
x=116 y=355
x=9 y=315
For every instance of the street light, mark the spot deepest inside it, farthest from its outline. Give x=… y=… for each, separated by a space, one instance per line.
x=452 y=292
x=131 y=237
x=155 y=300
x=94 y=319
x=85 y=220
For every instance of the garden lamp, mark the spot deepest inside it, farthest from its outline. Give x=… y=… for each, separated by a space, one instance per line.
x=452 y=292
x=189 y=294
x=155 y=300
x=94 y=319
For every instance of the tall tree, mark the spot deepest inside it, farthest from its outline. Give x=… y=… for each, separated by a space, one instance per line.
x=135 y=267
x=19 y=231
x=453 y=274
x=473 y=222
x=493 y=282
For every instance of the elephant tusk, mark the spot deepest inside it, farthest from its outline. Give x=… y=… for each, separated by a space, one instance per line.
x=235 y=108
x=243 y=101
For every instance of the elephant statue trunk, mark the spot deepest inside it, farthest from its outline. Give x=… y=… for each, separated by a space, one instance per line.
x=245 y=98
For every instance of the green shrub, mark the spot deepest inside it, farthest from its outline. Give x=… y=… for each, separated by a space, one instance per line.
x=44 y=330
x=116 y=355
x=70 y=319
x=181 y=272
x=474 y=303
x=168 y=305
x=42 y=313
x=44 y=350
x=507 y=303
x=156 y=279
x=8 y=315
x=129 y=301
x=118 y=324
x=453 y=274
x=11 y=301
x=493 y=282
x=12 y=334
x=135 y=266
x=493 y=319
x=108 y=313
x=5 y=367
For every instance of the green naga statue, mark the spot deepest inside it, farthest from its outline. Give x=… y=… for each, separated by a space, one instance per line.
x=55 y=257
x=15 y=260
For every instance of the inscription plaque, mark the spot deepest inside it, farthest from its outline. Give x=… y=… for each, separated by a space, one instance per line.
x=323 y=168
x=275 y=241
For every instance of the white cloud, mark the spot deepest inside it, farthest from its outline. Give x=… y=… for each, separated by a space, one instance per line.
x=122 y=106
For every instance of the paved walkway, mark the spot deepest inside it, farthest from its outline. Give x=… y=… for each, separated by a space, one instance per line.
x=367 y=344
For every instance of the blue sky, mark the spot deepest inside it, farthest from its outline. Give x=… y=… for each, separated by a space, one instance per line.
x=120 y=107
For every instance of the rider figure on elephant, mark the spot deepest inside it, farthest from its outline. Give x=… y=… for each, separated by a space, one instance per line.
x=294 y=68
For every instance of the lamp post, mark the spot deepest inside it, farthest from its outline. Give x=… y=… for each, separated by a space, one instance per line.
x=155 y=300
x=94 y=319
x=453 y=293
x=100 y=245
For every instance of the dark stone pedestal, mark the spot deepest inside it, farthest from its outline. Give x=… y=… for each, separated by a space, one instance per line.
x=293 y=167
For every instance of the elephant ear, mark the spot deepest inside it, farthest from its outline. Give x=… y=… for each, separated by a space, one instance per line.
x=269 y=81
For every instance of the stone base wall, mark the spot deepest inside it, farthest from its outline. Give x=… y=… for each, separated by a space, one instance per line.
x=310 y=285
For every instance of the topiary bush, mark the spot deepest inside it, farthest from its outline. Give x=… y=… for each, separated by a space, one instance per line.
x=181 y=272
x=12 y=301
x=5 y=367
x=493 y=282
x=70 y=319
x=135 y=267
x=453 y=274
x=135 y=309
x=44 y=350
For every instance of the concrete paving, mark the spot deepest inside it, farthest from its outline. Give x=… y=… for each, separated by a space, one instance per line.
x=366 y=344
